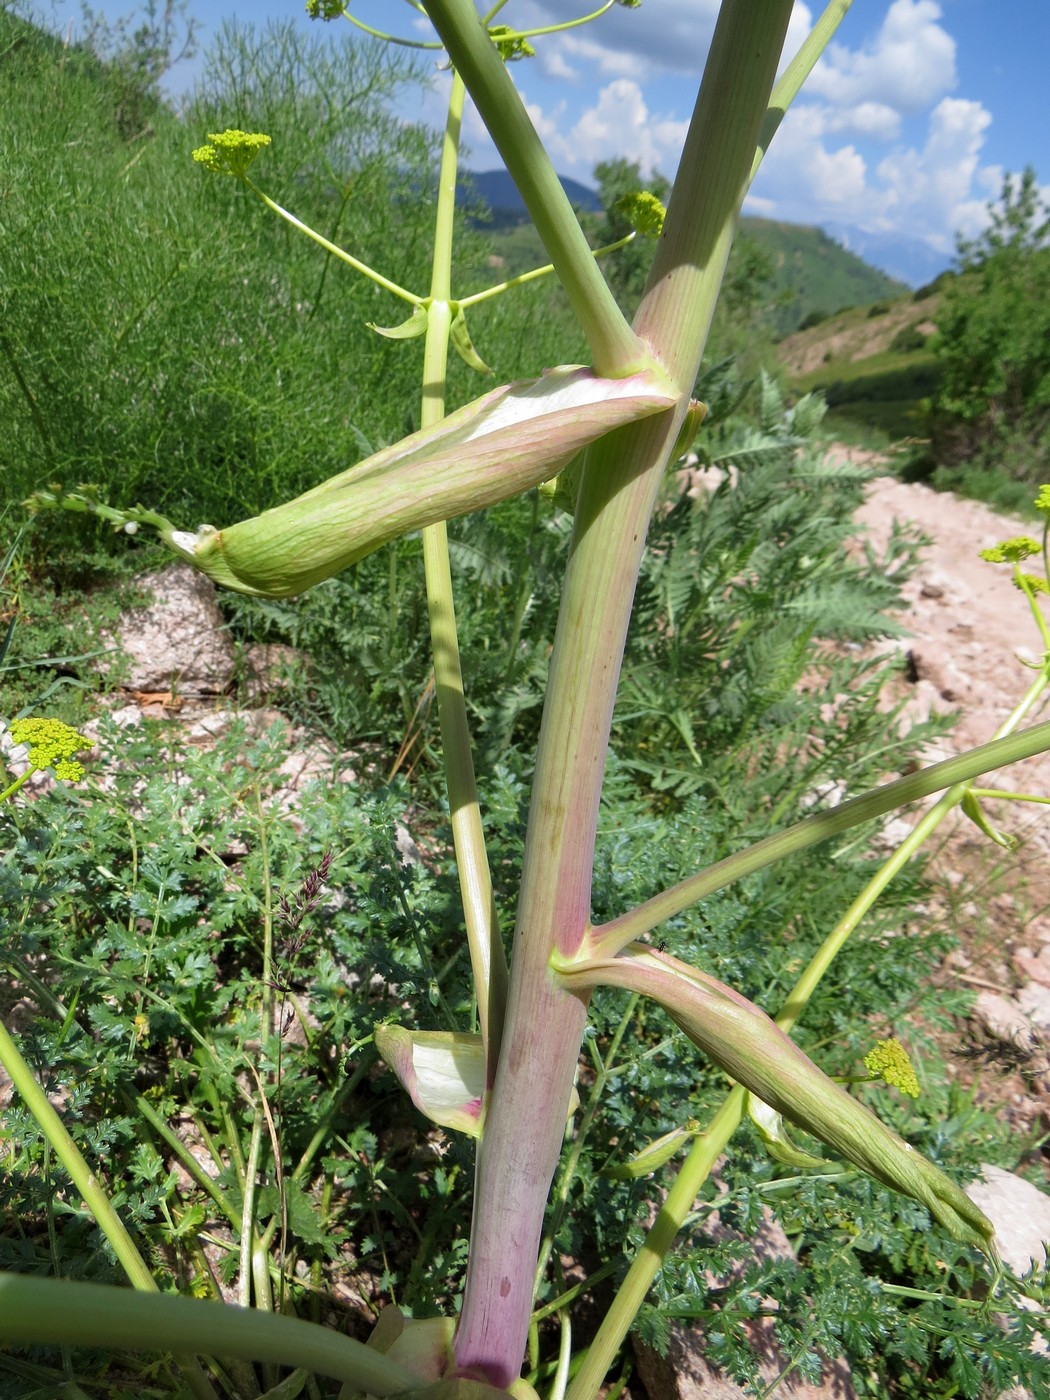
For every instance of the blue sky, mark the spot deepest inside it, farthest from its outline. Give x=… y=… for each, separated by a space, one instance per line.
x=905 y=129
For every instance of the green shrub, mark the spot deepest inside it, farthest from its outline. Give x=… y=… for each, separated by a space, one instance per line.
x=993 y=341
x=908 y=338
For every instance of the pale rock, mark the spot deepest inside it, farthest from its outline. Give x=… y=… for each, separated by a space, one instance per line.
x=1020 y=1213
x=179 y=642
x=893 y=834
x=1033 y=967
x=952 y=684
x=1004 y=1020
x=1034 y=1001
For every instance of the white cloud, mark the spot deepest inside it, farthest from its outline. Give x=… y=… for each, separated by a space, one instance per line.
x=909 y=64
x=672 y=35
x=604 y=61
x=621 y=124
x=873 y=121
x=927 y=191
x=934 y=188
x=554 y=64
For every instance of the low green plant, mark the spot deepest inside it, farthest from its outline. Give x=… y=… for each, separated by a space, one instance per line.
x=495 y=1054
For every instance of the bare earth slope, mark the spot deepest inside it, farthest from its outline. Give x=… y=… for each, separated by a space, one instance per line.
x=970 y=631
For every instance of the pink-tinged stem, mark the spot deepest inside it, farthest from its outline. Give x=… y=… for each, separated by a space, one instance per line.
x=526 y=1119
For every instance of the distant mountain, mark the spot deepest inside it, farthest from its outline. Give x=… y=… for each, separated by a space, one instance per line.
x=496 y=189
x=812 y=273
x=907 y=259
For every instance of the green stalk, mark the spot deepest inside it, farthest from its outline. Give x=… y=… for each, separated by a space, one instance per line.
x=333 y=248
x=534 y=273
x=81 y=1175
x=97 y=1202
x=89 y=1314
x=525 y=1125
x=609 y=938
x=712 y=1143
x=631 y=1293
x=795 y=74
x=615 y=349
x=189 y=1163
x=487 y=958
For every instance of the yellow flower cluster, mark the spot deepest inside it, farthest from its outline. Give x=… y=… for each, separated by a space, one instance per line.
x=230 y=152
x=53 y=745
x=643 y=211
x=1011 y=551
x=889 y=1061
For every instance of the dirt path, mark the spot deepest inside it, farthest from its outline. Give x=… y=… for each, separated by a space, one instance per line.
x=970 y=631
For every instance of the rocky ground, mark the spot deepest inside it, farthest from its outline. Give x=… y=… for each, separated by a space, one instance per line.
x=969 y=636
x=971 y=644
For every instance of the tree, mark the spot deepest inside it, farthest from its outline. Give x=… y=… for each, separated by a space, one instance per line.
x=993 y=339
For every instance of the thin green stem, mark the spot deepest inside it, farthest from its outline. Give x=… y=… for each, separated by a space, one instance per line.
x=390 y=38
x=487 y=958
x=607 y=939
x=83 y=1178
x=81 y=1175
x=1001 y=794
x=631 y=1293
x=193 y=1168
x=537 y=272
x=795 y=74
x=567 y=24
x=247 y=1223
x=334 y=248
x=615 y=348
x=1026 y=587
x=18 y=783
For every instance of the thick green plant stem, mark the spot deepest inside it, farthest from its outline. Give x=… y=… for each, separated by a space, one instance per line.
x=525 y=1124
x=89 y=1314
x=488 y=960
x=712 y=1143
x=615 y=349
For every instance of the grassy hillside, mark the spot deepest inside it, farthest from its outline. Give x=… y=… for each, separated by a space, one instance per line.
x=813 y=275
x=872 y=363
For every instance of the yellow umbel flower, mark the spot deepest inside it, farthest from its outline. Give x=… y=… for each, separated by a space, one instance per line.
x=643 y=211
x=1011 y=551
x=52 y=744
x=889 y=1061
x=230 y=152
